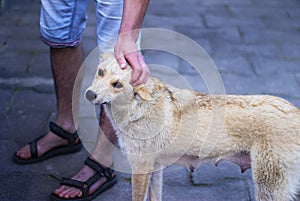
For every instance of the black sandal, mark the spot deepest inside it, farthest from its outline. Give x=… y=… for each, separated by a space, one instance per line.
x=71 y=147
x=85 y=186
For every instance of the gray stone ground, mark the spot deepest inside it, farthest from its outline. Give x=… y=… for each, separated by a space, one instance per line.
x=254 y=43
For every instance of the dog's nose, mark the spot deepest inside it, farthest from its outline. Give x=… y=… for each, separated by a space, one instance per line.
x=90 y=95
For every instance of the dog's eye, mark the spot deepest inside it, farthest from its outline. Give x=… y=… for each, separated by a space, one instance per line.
x=100 y=72
x=117 y=85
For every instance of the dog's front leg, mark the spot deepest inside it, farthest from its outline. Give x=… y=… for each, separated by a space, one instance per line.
x=156 y=183
x=140 y=183
x=142 y=168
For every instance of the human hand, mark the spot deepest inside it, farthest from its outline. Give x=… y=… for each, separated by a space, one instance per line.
x=126 y=52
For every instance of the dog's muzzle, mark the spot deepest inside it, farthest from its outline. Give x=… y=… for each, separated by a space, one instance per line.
x=90 y=95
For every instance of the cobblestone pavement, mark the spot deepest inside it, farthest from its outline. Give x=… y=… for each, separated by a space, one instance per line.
x=254 y=43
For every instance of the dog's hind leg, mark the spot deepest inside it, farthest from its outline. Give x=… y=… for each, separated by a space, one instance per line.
x=275 y=174
x=156 y=184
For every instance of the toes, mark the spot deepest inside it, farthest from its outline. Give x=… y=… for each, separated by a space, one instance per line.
x=24 y=152
x=64 y=193
x=59 y=189
x=74 y=193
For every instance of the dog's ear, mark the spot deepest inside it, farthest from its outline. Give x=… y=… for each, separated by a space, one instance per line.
x=142 y=92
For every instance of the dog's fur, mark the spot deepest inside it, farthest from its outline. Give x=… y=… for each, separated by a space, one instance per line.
x=157 y=124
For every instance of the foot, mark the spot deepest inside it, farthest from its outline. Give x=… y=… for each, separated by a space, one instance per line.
x=46 y=143
x=83 y=175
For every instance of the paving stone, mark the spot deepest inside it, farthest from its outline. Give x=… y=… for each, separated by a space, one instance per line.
x=39 y=187
x=176 y=175
x=225 y=191
x=223 y=33
x=90 y=31
x=236 y=65
x=284 y=85
x=30 y=20
x=32 y=32
x=216 y=21
x=91 y=13
x=297 y=75
x=266 y=67
x=5 y=99
x=208 y=173
x=295 y=101
x=8 y=19
x=10 y=66
x=222 y=10
x=255 y=11
x=280 y=22
x=229 y=50
x=154 y=57
x=26 y=102
x=227 y=2
x=38 y=84
x=197 y=83
x=169 y=76
x=89 y=44
x=150 y=21
x=204 y=44
x=8 y=149
x=293 y=12
x=287 y=3
x=291 y=51
x=13 y=186
x=3 y=43
x=254 y=35
x=241 y=85
x=11 y=125
x=186 y=68
x=26 y=45
x=39 y=65
x=171 y=9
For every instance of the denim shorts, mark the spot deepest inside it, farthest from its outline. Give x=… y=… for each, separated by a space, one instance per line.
x=62 y=22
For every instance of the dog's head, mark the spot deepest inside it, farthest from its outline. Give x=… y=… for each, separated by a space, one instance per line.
x=111 y=84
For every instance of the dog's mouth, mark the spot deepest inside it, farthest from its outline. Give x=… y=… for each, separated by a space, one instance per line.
x=99 y=102
x=104 y=102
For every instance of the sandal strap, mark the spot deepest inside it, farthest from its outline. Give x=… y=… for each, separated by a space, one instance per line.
x=83 y=186
x=93 y=179
x=59 y=131
x=106 y=172
x=33 y=149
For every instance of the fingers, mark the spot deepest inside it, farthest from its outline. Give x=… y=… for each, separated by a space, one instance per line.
x=122 y=61
x=140 y=71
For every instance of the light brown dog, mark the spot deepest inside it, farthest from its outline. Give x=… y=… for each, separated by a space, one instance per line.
x=158 y=124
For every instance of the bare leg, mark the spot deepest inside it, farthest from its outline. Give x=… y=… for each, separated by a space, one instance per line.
x=65 y=64
x=102 y=153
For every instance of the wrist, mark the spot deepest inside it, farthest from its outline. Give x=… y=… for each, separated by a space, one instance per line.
x=129 y=35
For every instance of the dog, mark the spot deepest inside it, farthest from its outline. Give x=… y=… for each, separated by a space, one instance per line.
x=157 y=124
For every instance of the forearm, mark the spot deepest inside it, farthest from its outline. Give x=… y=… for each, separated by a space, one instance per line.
x=133 y=15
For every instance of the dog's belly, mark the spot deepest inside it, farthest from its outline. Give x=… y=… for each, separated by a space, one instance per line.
x=242 y=159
